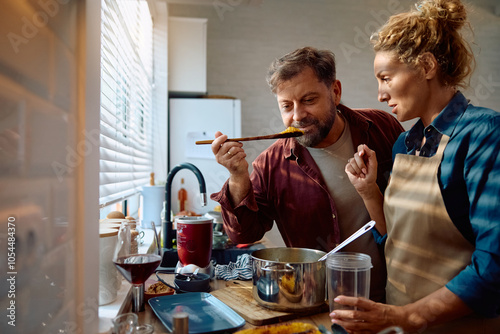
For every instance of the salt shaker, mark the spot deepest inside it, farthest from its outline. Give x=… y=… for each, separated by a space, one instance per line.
x=181 y=323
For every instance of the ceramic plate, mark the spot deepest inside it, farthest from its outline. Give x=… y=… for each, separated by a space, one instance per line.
x=207 y=314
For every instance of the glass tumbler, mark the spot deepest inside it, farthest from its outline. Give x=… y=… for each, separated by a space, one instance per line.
x=125 y=323
x=348 y=274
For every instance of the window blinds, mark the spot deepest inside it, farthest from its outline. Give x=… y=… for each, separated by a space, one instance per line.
x=126 y=99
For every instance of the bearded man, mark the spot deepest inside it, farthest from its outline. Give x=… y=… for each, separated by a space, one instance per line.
x=300 y=183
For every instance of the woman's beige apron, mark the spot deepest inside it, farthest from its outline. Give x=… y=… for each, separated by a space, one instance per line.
x=424 y=249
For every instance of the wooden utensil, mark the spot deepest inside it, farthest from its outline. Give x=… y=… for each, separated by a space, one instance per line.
x=285 y=134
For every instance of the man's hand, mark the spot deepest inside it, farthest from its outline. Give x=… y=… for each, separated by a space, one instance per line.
x=232 y=156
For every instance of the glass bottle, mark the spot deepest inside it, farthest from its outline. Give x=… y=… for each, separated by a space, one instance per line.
x=182 y=195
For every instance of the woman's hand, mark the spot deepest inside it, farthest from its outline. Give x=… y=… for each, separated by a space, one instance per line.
x=370 y=317
x=439 y=307
x=362 y=171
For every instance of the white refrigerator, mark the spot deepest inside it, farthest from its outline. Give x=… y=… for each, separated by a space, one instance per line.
x=192 y=119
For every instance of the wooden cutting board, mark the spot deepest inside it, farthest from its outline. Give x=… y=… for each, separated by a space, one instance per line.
x=238 y=296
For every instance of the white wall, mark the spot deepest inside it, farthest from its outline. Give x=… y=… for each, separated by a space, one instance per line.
x=244 y=39
x=160 y=98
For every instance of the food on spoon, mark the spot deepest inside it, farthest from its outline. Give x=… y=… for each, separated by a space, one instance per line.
x=287 y=133
x=287 y=328
x=292 y=129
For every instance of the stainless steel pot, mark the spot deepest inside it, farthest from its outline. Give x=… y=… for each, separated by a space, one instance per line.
x=289 y=279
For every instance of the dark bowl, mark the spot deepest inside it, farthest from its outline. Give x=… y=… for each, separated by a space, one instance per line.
x=197 y=283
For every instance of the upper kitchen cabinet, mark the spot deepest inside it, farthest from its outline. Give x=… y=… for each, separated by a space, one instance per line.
x=187 y=55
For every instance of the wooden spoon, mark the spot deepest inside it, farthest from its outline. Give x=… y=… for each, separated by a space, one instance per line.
x=288 y=133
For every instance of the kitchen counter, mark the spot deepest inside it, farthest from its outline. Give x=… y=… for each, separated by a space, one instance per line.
x=122 y=304
x=148 y=316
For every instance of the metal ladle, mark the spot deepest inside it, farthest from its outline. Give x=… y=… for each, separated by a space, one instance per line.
x=368 y=226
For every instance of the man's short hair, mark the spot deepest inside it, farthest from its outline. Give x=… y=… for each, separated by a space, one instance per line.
x=322 y=62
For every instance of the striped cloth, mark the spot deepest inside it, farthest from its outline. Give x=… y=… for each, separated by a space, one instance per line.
x=242 y=269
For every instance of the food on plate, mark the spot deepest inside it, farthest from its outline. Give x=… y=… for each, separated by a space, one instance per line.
x=158 y=287
x=291 y=129
x=286 y=328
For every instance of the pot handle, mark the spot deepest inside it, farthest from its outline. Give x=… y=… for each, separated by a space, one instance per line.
x=269 y=267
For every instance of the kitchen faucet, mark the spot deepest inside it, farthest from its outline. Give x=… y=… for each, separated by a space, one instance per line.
x=167 y=230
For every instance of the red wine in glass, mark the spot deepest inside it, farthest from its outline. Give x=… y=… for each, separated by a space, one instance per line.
x=137 y=268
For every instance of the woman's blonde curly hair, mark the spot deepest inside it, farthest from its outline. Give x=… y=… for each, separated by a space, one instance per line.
x=432 y=26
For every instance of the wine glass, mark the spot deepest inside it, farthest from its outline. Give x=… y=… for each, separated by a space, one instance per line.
x=136 y=268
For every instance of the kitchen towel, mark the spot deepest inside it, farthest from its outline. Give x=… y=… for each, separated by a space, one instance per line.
x=241 y=269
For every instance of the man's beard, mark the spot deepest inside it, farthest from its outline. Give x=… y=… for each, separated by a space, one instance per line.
x=320 y=130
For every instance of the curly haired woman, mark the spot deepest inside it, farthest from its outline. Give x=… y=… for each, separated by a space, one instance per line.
x=440 y=211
